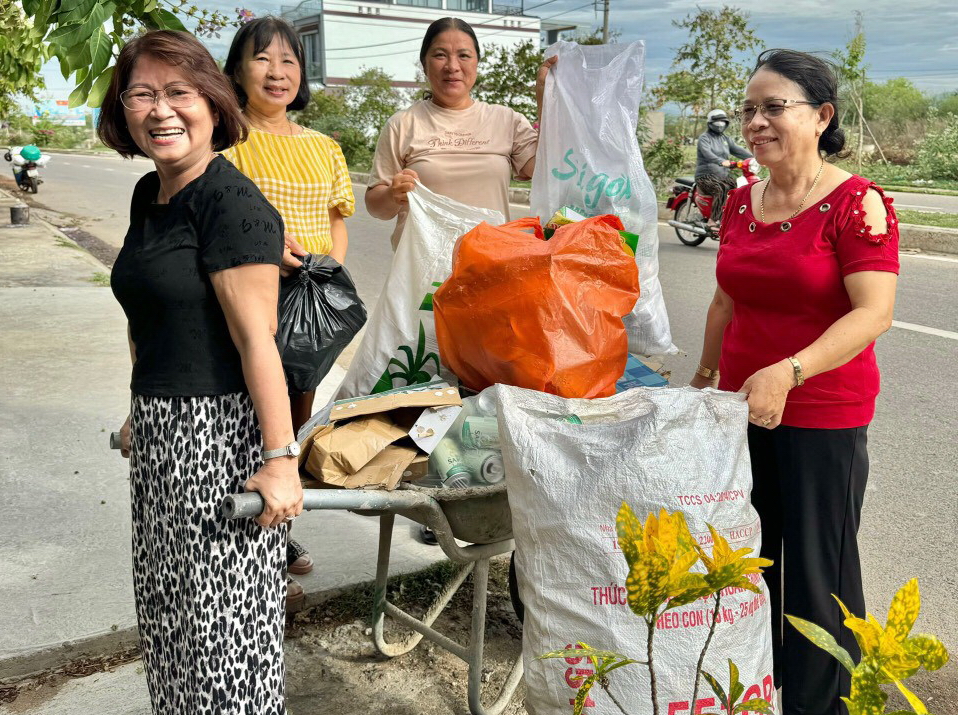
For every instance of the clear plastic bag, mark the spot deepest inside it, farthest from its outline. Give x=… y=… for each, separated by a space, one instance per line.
x=589 y=160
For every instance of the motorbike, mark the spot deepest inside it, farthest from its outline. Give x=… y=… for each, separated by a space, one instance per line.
x=26 y=171
x=693 y=209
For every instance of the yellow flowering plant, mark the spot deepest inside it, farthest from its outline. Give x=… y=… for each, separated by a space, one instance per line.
x=889 y=654
x=661 y=555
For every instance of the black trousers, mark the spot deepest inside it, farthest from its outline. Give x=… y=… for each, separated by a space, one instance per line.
x=808 y=487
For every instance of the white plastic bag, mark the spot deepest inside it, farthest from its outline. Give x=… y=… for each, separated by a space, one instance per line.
x=399 y=347
x=589 y=159
x=678 y=449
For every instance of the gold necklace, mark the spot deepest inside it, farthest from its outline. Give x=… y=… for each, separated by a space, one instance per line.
x=799 y=209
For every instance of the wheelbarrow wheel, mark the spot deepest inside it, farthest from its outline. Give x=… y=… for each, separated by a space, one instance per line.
x=517 y=604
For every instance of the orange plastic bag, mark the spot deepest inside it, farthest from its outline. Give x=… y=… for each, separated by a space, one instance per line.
x=546 y=315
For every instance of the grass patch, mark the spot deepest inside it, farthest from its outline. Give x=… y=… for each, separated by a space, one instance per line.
x=66 y=243
x=101 y=279
x=923 y=218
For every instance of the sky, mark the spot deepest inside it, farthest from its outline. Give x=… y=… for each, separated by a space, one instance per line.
x=915 y=39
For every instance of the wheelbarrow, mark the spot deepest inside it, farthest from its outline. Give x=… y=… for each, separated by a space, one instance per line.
x=479 y=515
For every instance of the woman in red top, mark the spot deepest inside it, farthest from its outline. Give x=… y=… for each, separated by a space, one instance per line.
x=806 y=272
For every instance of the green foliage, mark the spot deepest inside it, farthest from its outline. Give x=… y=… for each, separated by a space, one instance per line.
x=593 y=38
x=888 y=655
x=21 y=56
x=507 y=75
x=947 y=104
x=735 y=690
x=603 y=663
x=372 y=100
x=897 y=100
x=86 y=35
x=664 y=160
x=328 y=113
x=705 y=72
x=938 y=152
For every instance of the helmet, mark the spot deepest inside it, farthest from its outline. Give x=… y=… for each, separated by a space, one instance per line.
x=717 y=120
x=30 y=153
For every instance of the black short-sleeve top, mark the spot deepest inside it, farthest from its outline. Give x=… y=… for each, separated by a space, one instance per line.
x=161 y=278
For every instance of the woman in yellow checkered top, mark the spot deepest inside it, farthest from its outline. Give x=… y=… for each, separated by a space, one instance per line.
x=301 y=172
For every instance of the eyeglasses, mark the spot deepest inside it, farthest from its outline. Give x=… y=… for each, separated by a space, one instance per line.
x=770 y=108
x=138 y=98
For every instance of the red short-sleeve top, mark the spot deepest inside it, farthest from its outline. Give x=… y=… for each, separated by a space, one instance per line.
x=786 y=282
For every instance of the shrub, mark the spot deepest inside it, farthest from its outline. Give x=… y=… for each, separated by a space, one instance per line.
x=664 y=159
x=355 y=145
x=938 y=152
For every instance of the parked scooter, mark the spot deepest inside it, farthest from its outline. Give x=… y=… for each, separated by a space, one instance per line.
x=27 y=162
x=694 y=209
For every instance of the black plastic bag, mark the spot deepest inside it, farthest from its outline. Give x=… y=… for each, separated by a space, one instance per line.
x=320 y=312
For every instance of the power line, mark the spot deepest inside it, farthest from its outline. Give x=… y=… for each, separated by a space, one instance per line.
x=497 y=32
x=419 y=39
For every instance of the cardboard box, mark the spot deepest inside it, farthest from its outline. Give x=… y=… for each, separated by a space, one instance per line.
x=368 y=442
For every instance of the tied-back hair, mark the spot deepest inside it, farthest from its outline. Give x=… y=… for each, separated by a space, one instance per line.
x=177 y=49
x=818 y=80
x=437 y=28
x=258 y=34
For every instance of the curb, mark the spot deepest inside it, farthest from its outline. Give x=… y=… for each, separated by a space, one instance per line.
x=106 y=643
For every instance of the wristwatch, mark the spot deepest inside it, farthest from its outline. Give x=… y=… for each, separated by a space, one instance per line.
x=290 y=450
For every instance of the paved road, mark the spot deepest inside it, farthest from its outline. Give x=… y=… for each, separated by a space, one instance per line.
x=910 y=525
x=925 y=202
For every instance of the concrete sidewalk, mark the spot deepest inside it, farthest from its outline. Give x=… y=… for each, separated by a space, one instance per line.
x=65 y=541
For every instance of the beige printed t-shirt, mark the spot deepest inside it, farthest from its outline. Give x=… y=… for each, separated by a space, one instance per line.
x=466 y=154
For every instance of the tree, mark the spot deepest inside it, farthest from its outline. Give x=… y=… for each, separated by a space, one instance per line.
x=947 y=104
x=372 y=100
x=594 y=37
x=507 y=75
x=705 y=74
x=86 y=35
x=21 y=57
x=897 y=101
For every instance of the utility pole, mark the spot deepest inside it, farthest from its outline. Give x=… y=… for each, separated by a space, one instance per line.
x=605 y=22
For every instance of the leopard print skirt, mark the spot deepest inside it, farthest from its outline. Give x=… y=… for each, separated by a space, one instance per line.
x=210 y=593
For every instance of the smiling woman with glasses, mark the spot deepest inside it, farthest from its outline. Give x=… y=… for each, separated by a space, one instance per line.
x=198 y=279
x=806 y=272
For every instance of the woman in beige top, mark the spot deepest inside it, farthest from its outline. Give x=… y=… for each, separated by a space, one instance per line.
x=455 y=145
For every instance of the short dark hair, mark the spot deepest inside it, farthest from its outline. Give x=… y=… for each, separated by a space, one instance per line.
x=179 y=49
x=260 y=33
x=440 y=26
x=819 y=82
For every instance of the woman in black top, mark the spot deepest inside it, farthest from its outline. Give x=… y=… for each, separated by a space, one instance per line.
x=198 y=278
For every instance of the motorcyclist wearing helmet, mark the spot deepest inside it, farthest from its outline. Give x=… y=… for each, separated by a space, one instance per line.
x=712 y=174
x=21 y=156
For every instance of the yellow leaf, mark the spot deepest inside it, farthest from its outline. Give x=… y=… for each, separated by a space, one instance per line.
x=929 y=651
x=917 y=705
x=867 y=635
x=629 y=531
x=646 y=584
x=904 y=610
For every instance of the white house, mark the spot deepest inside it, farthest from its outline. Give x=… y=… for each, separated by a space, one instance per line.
x=341 y=37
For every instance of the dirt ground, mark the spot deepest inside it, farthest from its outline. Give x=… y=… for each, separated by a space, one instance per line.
x=333 y=666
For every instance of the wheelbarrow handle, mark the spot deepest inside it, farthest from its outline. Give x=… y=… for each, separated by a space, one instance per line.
x=247 y=504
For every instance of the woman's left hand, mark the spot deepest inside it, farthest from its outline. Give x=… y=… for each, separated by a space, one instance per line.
x=541 y=80
x=291 y=250
x=277 y=481
x=767 y=391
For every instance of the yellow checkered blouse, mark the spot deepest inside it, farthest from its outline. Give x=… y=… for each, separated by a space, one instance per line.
x=303 y=176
